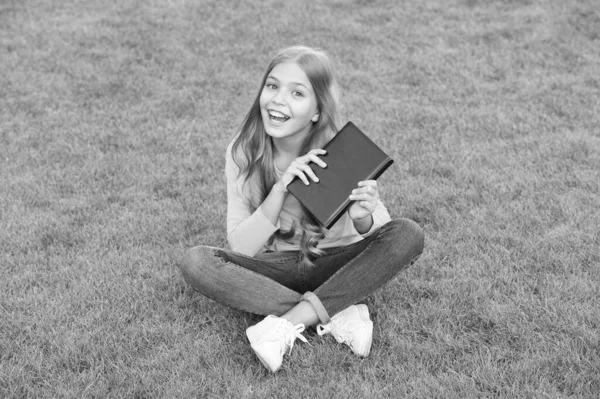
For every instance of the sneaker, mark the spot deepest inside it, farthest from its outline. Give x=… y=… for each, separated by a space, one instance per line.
x=271 y=338
x=353 y=327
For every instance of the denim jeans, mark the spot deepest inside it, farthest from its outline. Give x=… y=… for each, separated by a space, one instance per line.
x=274 y=282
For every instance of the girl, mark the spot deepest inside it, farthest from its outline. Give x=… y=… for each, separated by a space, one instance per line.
x=282 y=262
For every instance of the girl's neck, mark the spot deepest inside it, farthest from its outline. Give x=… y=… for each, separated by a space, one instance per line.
x=284 y=152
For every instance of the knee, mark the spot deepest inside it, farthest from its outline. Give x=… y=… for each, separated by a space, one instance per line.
x=186 y=261
x=407 y=235
x=192 y=261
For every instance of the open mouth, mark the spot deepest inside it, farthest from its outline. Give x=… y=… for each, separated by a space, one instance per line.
x=277 y=117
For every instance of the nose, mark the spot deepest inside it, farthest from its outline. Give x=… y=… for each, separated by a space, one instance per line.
x=279 y=98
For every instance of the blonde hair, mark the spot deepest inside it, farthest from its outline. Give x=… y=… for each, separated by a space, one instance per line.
x=252 y=148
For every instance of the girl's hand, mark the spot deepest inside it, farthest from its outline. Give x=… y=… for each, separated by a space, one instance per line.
x=365 y=198
x=299 y=167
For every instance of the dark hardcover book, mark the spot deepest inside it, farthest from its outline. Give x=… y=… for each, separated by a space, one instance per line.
x=351 y=157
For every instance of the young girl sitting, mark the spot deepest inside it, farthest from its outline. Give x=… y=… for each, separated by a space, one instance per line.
x=282 y=262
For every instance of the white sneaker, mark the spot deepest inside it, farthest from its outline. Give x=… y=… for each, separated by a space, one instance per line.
x=353 y=327
x=271 y=338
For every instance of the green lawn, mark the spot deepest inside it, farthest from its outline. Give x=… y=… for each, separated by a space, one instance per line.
x=114 y=119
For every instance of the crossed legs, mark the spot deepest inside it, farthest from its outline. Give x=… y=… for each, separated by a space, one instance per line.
x=261 y=284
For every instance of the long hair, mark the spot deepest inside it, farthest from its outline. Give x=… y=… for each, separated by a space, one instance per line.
x=252 y=148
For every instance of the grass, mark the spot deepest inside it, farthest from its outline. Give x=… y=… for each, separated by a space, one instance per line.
x=114 y=118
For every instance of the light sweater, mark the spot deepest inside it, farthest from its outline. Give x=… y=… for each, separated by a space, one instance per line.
x=248 y=232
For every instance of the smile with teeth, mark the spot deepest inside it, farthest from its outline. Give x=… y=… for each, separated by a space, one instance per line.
x=278 y=117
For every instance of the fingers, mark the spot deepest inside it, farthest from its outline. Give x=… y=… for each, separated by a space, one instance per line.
x=313 y=155
x=366 y=195
x=300 y=169
x=368 y=183
x=299 y=166
x=366 y=191
x=366 y=200
x=318 y=161
x=318 y=151
x=368 y=205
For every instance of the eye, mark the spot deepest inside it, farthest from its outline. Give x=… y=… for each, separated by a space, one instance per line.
x=271 y=86
x=298 y=94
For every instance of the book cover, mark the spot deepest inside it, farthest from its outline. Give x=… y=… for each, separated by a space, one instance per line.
x=351 y=157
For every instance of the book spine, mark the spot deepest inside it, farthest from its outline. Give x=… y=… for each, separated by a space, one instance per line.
x=337 y=214
x=373 y=176
x=381 y=168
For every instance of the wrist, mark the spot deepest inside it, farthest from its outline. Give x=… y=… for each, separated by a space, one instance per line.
x=363 y=225
x=280 y=188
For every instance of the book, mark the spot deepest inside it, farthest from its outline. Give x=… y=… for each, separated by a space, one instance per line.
x=351 y=157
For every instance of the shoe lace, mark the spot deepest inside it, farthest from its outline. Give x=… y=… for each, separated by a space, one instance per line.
x=337 y=327
x=290 y=333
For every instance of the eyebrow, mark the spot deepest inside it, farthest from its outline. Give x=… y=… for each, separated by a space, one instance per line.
x=296 y=83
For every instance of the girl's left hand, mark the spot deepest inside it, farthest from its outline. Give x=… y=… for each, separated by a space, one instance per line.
x=365 y=198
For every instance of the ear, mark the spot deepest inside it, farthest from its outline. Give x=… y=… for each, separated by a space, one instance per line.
x=315 y=118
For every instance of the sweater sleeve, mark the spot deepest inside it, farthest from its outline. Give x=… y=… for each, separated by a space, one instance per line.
x=247 y=232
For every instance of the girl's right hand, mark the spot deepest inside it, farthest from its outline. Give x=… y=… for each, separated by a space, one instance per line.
x=300 y=168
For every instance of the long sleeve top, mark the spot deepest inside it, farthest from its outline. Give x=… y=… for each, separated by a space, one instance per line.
x=249 y=232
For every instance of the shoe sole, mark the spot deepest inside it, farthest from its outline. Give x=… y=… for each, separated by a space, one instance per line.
x=363 y=312
x=263 y=360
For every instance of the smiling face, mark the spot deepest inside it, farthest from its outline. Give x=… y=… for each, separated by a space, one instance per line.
x=288 y=104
